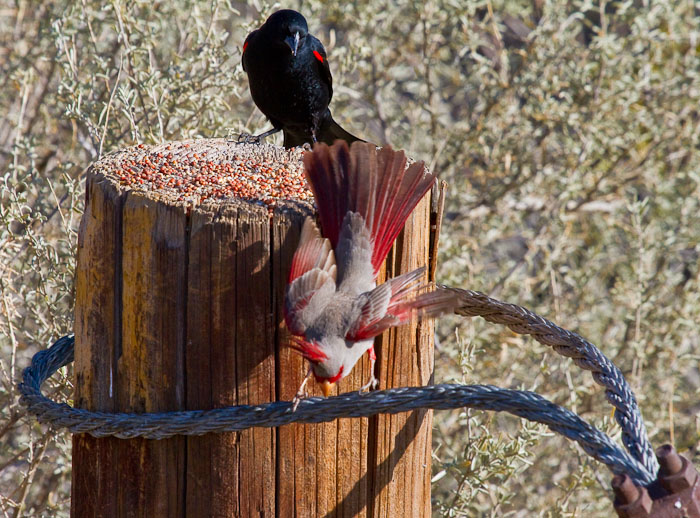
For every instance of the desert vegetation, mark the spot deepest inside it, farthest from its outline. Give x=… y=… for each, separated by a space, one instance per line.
x=568 y=131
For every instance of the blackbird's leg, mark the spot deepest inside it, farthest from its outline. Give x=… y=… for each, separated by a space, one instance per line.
x=247 y=138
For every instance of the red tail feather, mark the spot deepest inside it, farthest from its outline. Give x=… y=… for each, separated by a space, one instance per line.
x=375 y=184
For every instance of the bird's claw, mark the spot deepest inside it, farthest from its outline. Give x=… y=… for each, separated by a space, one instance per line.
x=302 y=394
x=373 y=381
x=372 y=384
x=247 y=138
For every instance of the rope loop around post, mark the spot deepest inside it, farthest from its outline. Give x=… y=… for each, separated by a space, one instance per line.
x=524 y=404
x=584 y=354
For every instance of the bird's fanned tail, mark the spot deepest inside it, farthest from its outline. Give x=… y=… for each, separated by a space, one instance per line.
x=375 y=184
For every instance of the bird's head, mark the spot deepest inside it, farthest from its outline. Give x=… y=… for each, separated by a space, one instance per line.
x=327 y=369
x=288 y=27
x=326 y=374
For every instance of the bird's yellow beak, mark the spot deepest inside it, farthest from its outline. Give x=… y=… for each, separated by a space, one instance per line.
x=326 y=387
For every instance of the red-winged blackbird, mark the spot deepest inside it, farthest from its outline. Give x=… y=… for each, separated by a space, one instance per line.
x=290 y=81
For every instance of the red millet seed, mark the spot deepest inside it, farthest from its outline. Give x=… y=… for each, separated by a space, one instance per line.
x=217 y=170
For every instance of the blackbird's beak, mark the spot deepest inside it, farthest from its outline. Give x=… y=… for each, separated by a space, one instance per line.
x=326 y=387
x=293 y=42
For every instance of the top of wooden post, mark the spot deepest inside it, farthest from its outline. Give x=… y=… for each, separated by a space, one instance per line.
x=209 y=170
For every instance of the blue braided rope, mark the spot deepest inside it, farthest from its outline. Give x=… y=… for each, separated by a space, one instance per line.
x=584 y=354
x=527 y=405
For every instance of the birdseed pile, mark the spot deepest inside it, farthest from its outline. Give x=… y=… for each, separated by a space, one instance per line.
x=195 y=171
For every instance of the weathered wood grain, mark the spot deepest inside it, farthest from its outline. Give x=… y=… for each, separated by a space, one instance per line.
x=150 y=367
x=255 y=369
x=401 y=458
x=210 y=359
x=97 y=330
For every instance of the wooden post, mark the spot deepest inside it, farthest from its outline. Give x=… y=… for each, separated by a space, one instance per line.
x=179 y=306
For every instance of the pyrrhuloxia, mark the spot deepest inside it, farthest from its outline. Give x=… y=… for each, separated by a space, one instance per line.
x=332 y=304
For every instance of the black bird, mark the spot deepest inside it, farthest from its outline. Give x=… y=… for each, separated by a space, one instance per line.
x=290 y=81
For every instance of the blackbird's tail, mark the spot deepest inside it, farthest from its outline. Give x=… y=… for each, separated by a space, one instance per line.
x=330 y=131
x=294 y=139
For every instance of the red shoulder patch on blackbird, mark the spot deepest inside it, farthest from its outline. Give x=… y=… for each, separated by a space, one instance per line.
x=318 y=56
x=245 y=46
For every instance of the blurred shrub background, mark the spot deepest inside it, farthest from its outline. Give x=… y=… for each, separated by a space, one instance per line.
x=568 y=131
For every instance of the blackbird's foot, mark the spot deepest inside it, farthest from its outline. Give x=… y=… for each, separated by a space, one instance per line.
x=247 y=138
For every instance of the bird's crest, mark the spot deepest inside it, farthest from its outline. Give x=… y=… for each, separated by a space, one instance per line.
x=309 y=350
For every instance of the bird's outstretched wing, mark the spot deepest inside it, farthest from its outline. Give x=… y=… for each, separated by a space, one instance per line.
x=395 y=302
x=311 y=279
